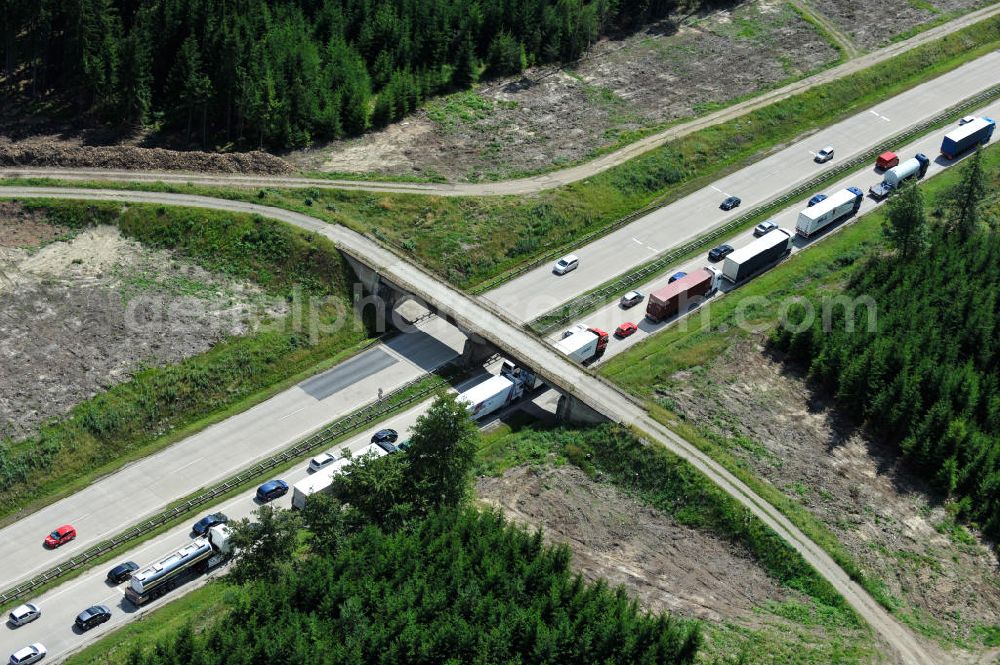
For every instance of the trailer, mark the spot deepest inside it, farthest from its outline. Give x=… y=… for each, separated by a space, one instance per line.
x=584 y=345
x=670 y=299
x=833 y=208
x=967 y=136
x=758 y=255
x=499 y=391
x=196 y=558
x=894 y=177
x=320 y=481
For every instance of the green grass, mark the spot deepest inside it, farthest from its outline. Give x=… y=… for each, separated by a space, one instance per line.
x=647 y=369
x=475 y=242
x=158 y=406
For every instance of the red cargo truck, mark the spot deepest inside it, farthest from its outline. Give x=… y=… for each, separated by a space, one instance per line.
x=667 y=301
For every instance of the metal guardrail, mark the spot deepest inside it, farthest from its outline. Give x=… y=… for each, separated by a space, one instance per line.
x=364 y=416
x=581 y=304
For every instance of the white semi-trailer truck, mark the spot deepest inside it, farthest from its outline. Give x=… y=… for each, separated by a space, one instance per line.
x=498 y=391
x=833 y=208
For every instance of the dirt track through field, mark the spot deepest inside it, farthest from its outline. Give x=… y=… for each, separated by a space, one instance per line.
x=531 y=184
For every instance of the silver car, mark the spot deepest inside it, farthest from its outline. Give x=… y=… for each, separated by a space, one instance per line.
x=29 y=654
x=565 y=264
x=321 y=460
x=23 y=614
x=824 y=155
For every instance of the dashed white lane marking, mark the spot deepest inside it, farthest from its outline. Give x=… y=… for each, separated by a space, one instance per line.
x=878 y=115
x=289 y=415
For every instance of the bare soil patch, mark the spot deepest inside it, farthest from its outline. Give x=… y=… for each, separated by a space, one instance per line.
x=83 y=312
x=664 y=565
x=946 y=579
x=552 y=116
x=873 y=23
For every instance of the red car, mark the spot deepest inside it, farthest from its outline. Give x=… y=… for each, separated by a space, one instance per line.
x=626 y=329
x=60 y=536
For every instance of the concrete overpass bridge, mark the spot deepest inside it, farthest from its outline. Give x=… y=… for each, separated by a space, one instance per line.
x=588 y=397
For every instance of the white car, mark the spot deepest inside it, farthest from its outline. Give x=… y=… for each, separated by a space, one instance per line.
x=824 y=155
x=575 y=329
x=565 y=264
x=322 y=460
x=30 y=654
x=967 y=119
x=23 y=614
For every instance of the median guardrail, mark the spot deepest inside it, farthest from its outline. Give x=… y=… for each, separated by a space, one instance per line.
x=366 y=415
x=582 y=304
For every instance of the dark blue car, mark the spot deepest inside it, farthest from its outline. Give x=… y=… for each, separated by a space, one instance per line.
x=271 y=490
x=202 y=526
x=815 y=199
x=676 y=276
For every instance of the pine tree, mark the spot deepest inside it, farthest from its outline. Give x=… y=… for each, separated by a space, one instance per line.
x=135 y=78
x=905 y=227
x=966 y=197
x=187 y=82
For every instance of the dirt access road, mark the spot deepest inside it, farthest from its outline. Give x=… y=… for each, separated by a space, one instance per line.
x=532 y=184
x=570 y=379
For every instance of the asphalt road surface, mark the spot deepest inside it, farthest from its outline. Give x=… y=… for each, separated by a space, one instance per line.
x=143 y=488
x=539 y=290
x=611 y=315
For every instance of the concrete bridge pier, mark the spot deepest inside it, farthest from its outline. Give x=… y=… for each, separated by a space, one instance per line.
x=571 y=410
x=476 y=351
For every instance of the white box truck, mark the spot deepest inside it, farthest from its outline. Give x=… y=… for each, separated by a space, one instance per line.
x=584 y=345
x=322 y=480
x=498 y=391
x=831 y=209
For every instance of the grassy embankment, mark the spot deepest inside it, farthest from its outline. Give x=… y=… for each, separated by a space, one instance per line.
x=475 y=242
x=160 y=405
x=820 y=270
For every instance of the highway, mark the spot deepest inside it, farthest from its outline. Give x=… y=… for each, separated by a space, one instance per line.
x=539 y=290
x=60 y=605
x=498 y=329
x=611 y=315
x=529 y=184
x=145 y=487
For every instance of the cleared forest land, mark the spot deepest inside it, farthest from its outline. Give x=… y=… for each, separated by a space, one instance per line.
x=122 y=327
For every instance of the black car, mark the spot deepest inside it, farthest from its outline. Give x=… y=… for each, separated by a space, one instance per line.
x=202 y=526
x=93 y=616
x=385 y=435
x=122 y=572
x=720 y=252
x=387 y=446
x=730 y=202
